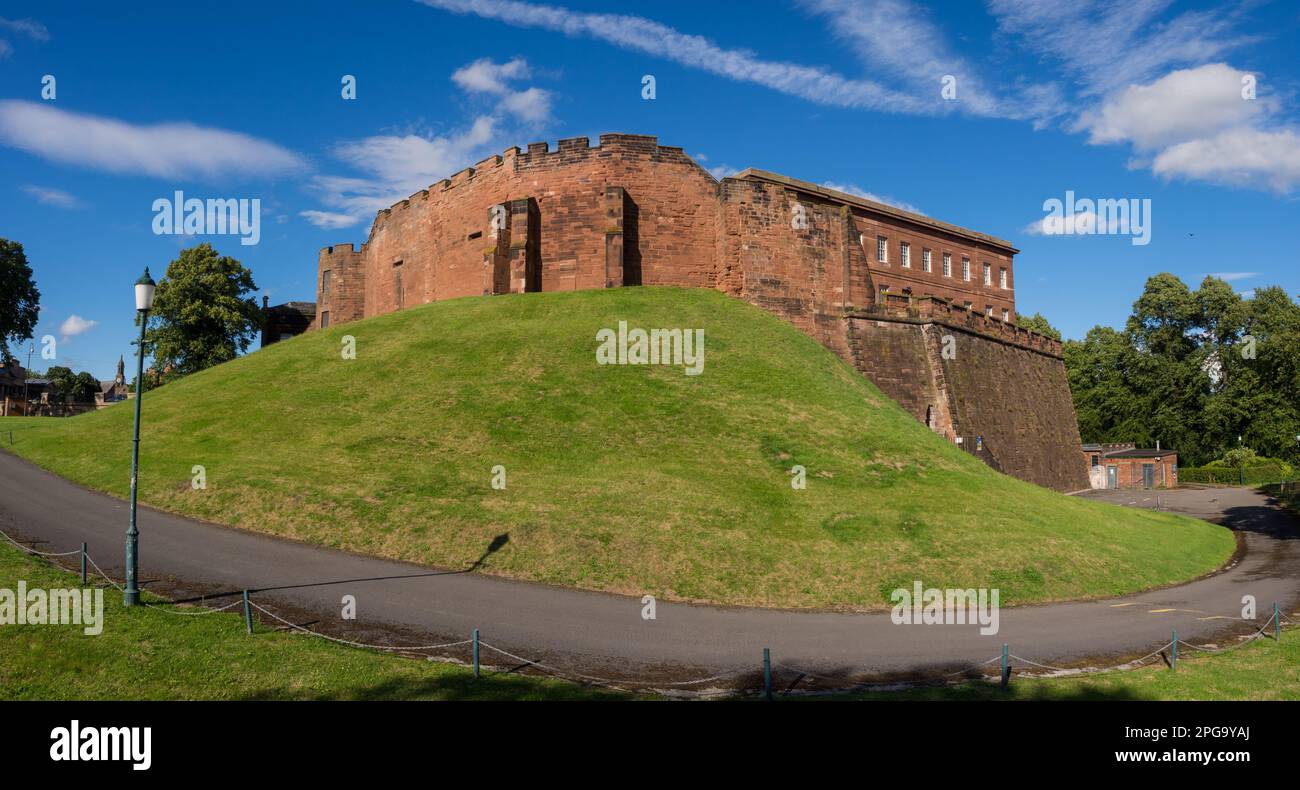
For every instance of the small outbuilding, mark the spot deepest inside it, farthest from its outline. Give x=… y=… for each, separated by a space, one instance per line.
x=1129 y=466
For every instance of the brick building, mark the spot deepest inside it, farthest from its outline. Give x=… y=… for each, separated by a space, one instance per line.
x=1129 y=466
x=884 y=288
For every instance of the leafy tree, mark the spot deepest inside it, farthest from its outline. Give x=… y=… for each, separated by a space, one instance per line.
x=203 y=313
x=1037 y=323
x=1194 y=369
x=20 y=302
x=66 y=385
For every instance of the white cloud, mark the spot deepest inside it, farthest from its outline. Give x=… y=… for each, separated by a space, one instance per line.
x=485 y=76
x=1236 y=157
x=532 y=105
x=652 y=38
x=396 y=166
x=6 y=49
x=75 y=325
x=1233 y=276
x=854 y=189
x=164 y=150
x=1182 y=105
x=723 y=171
x=901 y=38
x=1106 y=45
x=51 y=197
x=28 y=27
x=1078 y=223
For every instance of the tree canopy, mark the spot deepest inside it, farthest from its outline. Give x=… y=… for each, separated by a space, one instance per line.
x=203 y=313
x=1202 y=371
x=20 y=302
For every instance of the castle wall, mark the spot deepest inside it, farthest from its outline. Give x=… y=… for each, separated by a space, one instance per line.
x=1015 y=398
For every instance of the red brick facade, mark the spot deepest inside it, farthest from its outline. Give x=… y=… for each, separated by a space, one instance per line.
x=632 y=212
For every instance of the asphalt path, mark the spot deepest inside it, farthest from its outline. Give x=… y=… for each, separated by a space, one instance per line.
x=605 y=636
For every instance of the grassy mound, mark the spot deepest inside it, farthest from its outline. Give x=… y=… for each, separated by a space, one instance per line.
x=634 y=479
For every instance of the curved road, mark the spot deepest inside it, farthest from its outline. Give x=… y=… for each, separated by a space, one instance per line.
x=604 y=635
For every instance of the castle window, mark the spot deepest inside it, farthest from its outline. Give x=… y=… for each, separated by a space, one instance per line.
x=988 y=310
x=325 y=319
x=965 y=268
x=478 y=234
x=988 y=274
x=925 y=260
x=325 y=285
x=882 y=249
x=905 y=254
x=947 y=264
x=1002 y=277
x=1006 y=315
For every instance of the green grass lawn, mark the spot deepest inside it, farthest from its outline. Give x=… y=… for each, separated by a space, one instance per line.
x=632 y=479
x=145 y=653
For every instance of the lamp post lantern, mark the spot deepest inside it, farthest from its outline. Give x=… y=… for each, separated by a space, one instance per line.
x=144 y=289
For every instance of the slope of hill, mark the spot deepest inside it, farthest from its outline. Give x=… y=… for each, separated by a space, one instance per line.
x=632 y=479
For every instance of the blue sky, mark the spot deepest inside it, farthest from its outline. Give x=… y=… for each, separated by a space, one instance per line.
x=1130 y=100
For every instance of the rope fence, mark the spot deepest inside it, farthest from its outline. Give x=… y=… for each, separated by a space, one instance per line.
x=1006 y=658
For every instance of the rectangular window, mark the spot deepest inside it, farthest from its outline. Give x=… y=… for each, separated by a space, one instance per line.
x=1002 y=277
x=325 y=285
x=988 y=310
x=965 y=268
x=882 y=249
x=967 y=305
x=947 y=264
x=988 y=274
x=325 y=319
x=1006 y=316
x=905 y=254
x=925 y=260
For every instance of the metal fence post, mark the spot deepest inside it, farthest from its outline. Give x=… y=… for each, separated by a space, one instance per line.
x=767 y=674
x=476 y=652
x=248 y=613
x=1006 y=665
x=1173 y=653
x=83 y=565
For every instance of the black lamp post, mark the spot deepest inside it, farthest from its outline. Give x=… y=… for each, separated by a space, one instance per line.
x=144 y=288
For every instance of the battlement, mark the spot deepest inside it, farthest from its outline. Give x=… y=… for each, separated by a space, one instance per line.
x=941 y=311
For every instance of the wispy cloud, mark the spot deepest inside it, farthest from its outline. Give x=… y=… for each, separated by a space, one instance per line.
x=1233 y=276
x=647 y=36
x=51 y=197
x=854 y=189
x=24 y=27
x=75 y=325
x=164 y=150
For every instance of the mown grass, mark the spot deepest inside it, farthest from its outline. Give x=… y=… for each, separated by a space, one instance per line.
x=632 y=479
x=145 y=653
x=149 y=654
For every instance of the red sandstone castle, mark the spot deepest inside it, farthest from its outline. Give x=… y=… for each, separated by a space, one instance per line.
x=892 y=292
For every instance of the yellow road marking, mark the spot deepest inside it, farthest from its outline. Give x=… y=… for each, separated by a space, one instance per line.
x=1158 y=611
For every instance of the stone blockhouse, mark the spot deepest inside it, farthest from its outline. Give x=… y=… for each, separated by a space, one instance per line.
x=926 y=309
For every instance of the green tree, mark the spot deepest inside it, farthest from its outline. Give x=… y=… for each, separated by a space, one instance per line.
x=203 y=313
x=66 y=385
x=20 y=302
x=1038 y=323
